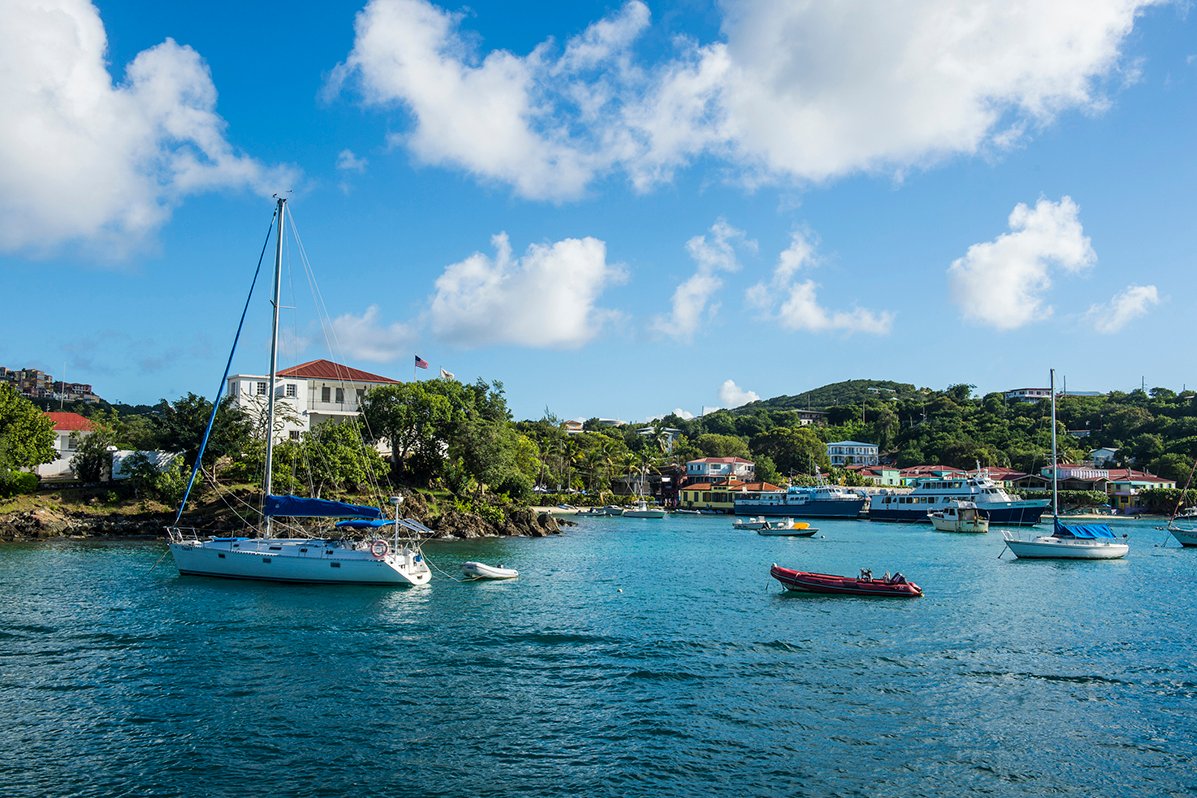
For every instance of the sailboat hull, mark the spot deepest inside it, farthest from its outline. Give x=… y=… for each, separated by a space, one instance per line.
x=1186 y=537
x=1047 y=547
x=309 y=561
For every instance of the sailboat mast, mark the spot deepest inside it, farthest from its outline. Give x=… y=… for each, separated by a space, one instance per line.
x=1055 y=465
x=275 y=301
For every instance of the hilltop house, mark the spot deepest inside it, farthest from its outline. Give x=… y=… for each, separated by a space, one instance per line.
x=306 y=395
x=69 y=430
x=845 y=453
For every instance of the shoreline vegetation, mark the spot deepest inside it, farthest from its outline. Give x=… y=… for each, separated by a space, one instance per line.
x=466 y=469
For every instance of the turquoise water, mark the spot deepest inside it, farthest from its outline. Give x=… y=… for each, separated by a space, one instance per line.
x=632 y=657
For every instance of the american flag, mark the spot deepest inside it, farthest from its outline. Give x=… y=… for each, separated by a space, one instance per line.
x=421 y=363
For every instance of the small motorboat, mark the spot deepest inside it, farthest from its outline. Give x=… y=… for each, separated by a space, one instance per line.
x=863 y=585
x=787 y=527
x=759 y=522
x=960 y=516
x=480 y=570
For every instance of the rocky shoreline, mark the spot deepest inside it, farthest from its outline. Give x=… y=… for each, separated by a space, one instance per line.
x=46 y=523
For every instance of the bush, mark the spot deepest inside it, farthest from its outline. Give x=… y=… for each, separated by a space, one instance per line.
x=15 y=483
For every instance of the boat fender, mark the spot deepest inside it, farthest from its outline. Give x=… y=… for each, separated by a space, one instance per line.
x=380 y=548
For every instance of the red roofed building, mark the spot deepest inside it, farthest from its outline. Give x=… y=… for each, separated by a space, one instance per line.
x=1121 y=485
x=306 y=395
x=69 y=429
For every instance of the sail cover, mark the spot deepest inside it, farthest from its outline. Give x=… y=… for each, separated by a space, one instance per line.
x=299 y=507
x=1085 y=531
x=378 y=523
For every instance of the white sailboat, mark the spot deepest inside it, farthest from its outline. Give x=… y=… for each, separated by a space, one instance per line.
x=641 y=508
x=391 y=555
x=1066 y=541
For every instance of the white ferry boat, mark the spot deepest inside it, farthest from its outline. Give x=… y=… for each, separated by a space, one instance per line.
x=937 y=494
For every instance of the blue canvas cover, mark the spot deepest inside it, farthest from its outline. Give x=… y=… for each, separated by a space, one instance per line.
x=1084 y=531
x=299 y=507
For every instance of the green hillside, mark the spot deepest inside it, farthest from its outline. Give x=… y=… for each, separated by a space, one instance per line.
x=837 y=394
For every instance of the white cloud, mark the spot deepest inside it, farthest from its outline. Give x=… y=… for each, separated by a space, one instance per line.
x=685 y=415
x=364 y=337
x=1133 y=302
x=547 y=298
x=348 y=162
x=82 y=158
x=733 y=395
x=692 y=298
x=790 y=91
x=1003 y=283
x=794 y=303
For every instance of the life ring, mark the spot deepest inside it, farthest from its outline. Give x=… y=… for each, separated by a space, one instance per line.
x=380 y=548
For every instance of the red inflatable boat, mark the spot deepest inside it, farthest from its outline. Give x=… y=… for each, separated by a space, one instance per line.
x=844 y=585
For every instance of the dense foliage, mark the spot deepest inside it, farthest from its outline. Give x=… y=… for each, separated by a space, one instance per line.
x=459 y=438
x=26 y=440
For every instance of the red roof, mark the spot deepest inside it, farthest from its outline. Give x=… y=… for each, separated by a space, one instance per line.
x=721 y=460
x=920 y=470
x=328 y=370
x=70 y=422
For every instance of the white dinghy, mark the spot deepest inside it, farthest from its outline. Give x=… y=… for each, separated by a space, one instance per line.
x=480 y=570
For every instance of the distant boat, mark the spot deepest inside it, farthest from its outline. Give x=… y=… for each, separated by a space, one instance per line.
x=936 y=494
x=831 y=584
x=959 y=517
x=391 y=557
x=801 y=501
x=609 y=509
x=788 y=528
x=1066 y=541
x=641 y=509
x=759 y=522
x=480 y=570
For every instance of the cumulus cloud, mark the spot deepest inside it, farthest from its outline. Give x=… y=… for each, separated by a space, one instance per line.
x=788 y=91
x=692 y=298
x=367 y=338
x=794 y=303
x=121 y=155
x=733 y=395
x=348 y=162
x=1122 y=309
x=547 y=298
x=1003 y=283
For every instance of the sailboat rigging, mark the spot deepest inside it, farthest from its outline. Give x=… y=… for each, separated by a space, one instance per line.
x=390 y=559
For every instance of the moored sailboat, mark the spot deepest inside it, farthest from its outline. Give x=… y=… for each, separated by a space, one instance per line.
x=381 y=558
x=1066 y=541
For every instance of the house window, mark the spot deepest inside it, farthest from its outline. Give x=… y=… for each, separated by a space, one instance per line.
x=290 y=391
x=340 y=396
x=361 y=392
x=261 y=389
x=294 y=434
x=325 y=394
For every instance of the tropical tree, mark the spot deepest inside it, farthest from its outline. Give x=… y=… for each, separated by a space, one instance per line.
x=26 y=438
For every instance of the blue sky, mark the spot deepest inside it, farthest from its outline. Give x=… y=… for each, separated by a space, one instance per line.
x=618 y=210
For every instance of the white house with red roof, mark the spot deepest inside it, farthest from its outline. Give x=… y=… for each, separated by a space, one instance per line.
x=69 y=429
x=306 y=395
